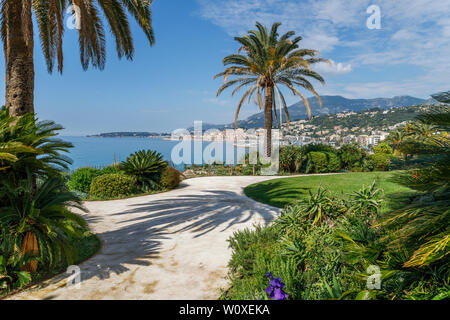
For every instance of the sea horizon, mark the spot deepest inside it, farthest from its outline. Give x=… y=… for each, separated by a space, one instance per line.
x=99 y=152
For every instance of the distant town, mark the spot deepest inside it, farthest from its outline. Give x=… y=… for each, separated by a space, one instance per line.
x=367 y=128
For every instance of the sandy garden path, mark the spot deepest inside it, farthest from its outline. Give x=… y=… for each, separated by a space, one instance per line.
x=165 y=246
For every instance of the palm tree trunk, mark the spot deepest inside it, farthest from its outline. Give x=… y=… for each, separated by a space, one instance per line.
x=18 y=49
x=30 y=246
x=268 y=120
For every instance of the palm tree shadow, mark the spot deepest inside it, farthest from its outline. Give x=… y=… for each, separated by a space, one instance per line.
x=276 y=193
x=199 y=214
x=139 y=234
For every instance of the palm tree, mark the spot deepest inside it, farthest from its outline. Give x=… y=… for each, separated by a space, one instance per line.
x=39 y=222
x=396 y=138
x=268 y=62
x=146 y=167
x=420 y=131
x=18 y=38
x=29 y=144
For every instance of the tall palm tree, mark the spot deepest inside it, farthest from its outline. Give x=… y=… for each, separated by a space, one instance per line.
x=18 y=38
x=268 y=62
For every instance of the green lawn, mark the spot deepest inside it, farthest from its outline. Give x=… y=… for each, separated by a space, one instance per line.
x=280 y=192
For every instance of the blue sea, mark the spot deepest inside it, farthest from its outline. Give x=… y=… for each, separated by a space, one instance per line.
x=100 y=152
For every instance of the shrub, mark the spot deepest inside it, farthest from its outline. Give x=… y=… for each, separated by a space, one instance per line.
x=367 y=165
x=381 y=161
x=383 y=148
x=334 y=164
x=317 y=162
x=82 y=178
x=351 y=155
x=170 y=178
x=111 y=170
x=112 y=186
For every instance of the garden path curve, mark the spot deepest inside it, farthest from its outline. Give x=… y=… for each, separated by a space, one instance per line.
x=164 y=246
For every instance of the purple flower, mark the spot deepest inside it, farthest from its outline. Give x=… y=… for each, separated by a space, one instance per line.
x=275 y=288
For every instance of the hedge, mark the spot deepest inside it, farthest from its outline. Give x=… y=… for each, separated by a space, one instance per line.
x=112 y=186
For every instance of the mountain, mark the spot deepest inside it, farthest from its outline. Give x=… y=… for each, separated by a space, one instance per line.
x=331 y=105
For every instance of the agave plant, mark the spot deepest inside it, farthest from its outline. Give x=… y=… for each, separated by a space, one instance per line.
x=38 y=221
x=145 y=167
x=366 y=200
x=317 y=206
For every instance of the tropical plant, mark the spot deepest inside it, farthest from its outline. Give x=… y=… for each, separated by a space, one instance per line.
x=419 y=130
x=396 y=138
x=316 y=206
x=18 y=38
x=423 y=226
x=33 y=145
x=37 y=221
x=145 y=167
x=366 y=200
x=267 y=63
x=291 y=158
x=411 y=246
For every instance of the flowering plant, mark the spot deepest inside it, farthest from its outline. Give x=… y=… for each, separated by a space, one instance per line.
x=275 y=289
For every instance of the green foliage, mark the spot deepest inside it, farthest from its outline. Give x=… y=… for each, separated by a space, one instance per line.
x=37 y=231
x=380 y=161
x=255 y=253
x=112 y=186
x=81 y=179
x=334 y=163
x=111 y=170
x=317 y=162
x=170 y=178
x=351 y=155
x=317 y=206
x=333 y=252
x=29 y=144
x=291 y=158
x=383 y=148
x=368 y=165
x=366 y=200
x=145 y=167
x=42 y=214
x=267 y=63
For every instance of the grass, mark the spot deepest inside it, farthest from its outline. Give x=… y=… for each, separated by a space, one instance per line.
x=281 y=192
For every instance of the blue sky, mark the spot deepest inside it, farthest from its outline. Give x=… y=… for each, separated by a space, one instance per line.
x=170 y=85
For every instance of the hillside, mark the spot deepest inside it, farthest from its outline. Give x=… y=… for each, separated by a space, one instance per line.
x=331 y=105
x=361 y=122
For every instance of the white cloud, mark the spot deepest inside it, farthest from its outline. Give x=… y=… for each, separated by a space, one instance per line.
x=404 y=35
x=415 y=33
x=333 y=69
